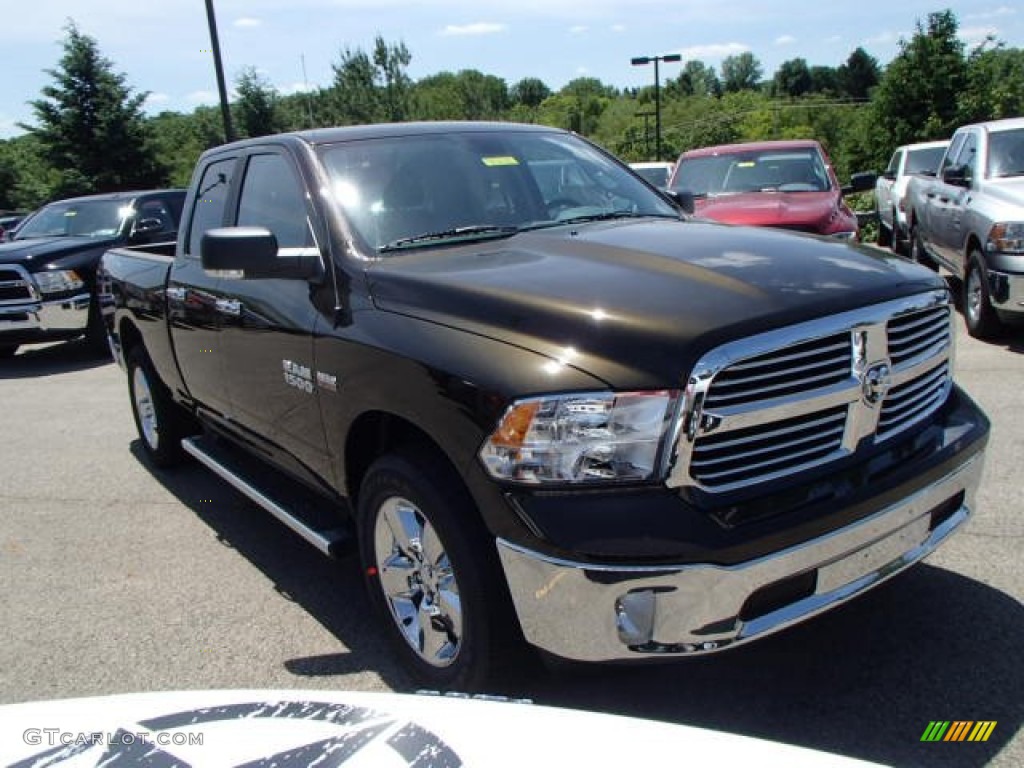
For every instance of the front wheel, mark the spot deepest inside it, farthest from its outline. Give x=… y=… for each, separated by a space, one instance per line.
x=161 y=422
x=917 y=251
x=431 y=571
x=982 y=320
x=885 y=236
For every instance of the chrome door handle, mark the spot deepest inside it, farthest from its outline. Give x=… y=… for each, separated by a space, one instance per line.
x=229 y=306
x=177 y=293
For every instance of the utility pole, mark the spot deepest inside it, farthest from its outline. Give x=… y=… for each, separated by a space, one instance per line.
x=640 y=61
x=647 y=131
x=225 y=109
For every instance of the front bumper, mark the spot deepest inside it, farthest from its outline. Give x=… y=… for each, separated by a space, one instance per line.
x=593 y=612
x=35 y=321
x=1006 y=291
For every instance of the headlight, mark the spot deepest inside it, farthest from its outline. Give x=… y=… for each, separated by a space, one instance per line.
x=58 y=281
x=1006 y=237
x=582 y=438
x=845 y=235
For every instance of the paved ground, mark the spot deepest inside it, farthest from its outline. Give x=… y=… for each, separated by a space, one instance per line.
x=116 y=579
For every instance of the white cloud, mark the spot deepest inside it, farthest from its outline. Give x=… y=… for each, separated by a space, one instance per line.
x=291 y=88
x=1000 y=12
x=202 y=97
x=881 y=39
x=785 y=40
x=248 y=21
x=582 y=71
x=714 y=50
x=975 y=35
x=579 y=29
x=833 y=39
x=479 y=28
x=618 y=27
x=156 y=98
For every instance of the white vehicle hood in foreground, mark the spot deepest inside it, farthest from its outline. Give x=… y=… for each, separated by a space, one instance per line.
x=355 y=730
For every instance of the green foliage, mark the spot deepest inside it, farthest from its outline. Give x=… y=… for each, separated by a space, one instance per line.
x=793 y=79
x=90 y=125
x=858 y=75
x=995 y=84
x=256 y=110
x=370 y=89
x=741 y=72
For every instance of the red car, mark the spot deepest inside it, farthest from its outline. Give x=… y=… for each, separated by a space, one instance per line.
x=787 y=184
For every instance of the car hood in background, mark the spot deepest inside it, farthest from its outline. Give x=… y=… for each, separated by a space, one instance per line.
x=308 y=728
x=34 y=253
x=808 y=211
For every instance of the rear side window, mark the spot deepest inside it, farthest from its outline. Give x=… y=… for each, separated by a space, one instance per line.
x=211 y=199
x=272 y=198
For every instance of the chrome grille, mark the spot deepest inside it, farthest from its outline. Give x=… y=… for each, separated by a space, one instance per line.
x=769 y=406
x=15 y=285
x=779 y=447
x=790 y=371
x=918 y=334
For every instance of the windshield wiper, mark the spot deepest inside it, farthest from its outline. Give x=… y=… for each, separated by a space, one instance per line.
x=474 y=230
x=608 y=216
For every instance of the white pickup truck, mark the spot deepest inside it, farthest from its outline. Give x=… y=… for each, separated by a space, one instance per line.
x=970 y=220
x=891 y=188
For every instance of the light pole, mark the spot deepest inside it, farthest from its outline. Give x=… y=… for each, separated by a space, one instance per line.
x=225 y=110
x=641 y=61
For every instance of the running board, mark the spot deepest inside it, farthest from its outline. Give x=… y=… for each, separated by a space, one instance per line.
x=240 y=471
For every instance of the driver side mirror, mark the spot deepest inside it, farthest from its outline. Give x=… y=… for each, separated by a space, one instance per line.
x=682 y=198
x=253 y=251
x=957 y=175
x=861 y=182
x=144 y=229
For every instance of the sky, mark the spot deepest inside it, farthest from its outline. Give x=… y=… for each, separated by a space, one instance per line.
x=163 y=47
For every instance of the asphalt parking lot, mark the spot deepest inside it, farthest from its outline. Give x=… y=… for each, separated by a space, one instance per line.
x=116 y=578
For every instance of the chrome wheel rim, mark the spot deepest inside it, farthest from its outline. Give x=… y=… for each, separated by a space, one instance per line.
x=145 y=409
x=418 y=582
x=974 y=297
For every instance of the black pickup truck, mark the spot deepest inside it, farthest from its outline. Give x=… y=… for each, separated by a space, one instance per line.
x=544 y=403
x=48 y=269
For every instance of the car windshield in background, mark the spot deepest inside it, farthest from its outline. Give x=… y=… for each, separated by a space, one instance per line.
x=769 y=171
x=415 y=191
x=657 y=176
x=95 y=218
x=1006 y=154
x=924 y=160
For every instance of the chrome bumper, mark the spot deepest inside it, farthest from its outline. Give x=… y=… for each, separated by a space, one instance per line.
x=612 y=612
x=1006 y=291
x=60 y=316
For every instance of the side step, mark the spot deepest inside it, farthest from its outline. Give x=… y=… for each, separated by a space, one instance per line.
x=312 y=517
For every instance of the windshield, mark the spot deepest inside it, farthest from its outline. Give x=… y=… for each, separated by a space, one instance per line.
x=656 y=175
x=95 y=218
x=924 y=160
x=1006 y=153
x=771 y=170
x=417 y=191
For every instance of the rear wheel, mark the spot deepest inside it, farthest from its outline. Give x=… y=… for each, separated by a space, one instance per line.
x=982 y=320
x=160 y=421
x=917 y=251
x=432 y=572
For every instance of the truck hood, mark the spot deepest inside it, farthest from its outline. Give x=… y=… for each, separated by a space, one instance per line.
x=637 y=303
x=37 y=253
x=797 y=210
x=1009 y=192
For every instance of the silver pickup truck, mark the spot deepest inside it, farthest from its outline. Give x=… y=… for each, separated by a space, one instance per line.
x=891 y=190
x=970 y=220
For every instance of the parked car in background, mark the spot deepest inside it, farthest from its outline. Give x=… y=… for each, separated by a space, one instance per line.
x=47 y=271
x=786 y=184
x=891 y=188
x=970 y=220
x=655 y=173
x=8 y=221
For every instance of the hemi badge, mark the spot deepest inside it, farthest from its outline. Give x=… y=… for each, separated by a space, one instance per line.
x=327 y=381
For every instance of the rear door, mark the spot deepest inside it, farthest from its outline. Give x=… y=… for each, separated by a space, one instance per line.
x=192 y=294
x=268 y=324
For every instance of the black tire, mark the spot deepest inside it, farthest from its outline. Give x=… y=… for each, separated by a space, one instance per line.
x=8 y=350
x=979 y=314
x=96 y=332
x=900 y=245
x=918 y=253
x=425 y=549
x=885 y=236
x=160 y=421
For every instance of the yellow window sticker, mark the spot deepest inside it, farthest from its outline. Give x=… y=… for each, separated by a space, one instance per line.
x=746 y=164
x=492 y=162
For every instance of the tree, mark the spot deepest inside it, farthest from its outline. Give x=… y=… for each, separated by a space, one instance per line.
x=395 y=84
x=859 y=74
x=995 y=83
x=918 y=97
x=793 y=79
x=824 y=80
x=696 y=79
x=530 y=92
x=741 y=72
x=90 y=125
x=256 y=108
x=371 y=89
